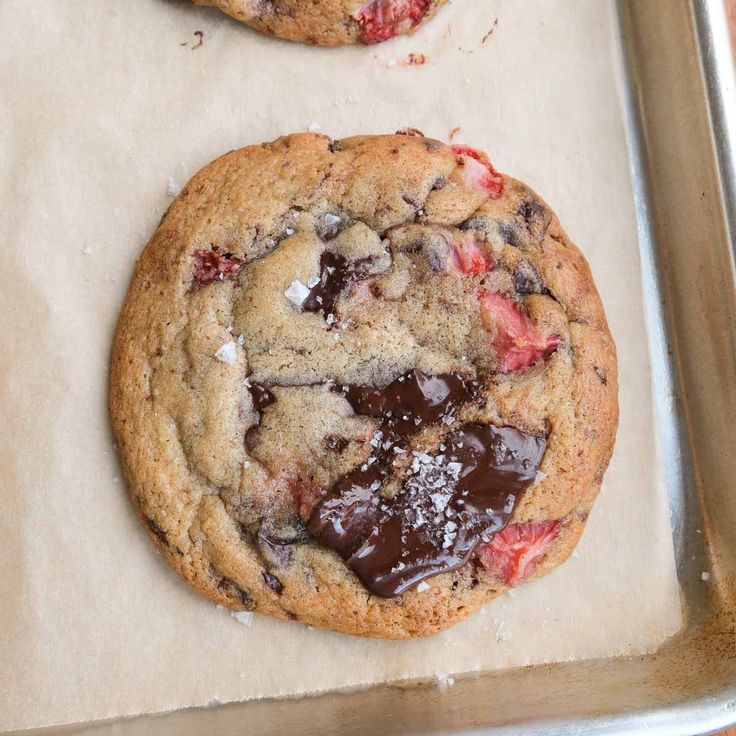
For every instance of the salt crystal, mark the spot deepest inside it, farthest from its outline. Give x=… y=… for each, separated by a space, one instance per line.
x=227 y=353
x=172 y=188
x=297 y=293
x=705 y=576
x=375 y=485
x=330 y=318
x=289 y=230
x=445 y=680
x=246 y=464
x=241 y=339
x=330 y=220
x=243 y=617
x=422 y=587
x=313 y=281
x=314 y=127
x=502 y=632
x=540 y=476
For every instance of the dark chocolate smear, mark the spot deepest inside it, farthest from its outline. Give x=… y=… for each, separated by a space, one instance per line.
x=449 y=501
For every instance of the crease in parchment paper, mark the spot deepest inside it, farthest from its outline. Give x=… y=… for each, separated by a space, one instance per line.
x=103 y=113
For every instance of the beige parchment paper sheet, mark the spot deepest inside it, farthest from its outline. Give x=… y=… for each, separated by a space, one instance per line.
x=102 y=110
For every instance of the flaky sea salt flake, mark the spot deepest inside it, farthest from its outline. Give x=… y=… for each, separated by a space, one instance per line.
x=243 y=617
x=297 y=293
x=422 y=587
x=227 y=353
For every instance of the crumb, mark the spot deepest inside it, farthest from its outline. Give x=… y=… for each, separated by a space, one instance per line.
x=200 y=42
x=490 y=32
x=450 y=137
x=227 y=353
x=415 y=59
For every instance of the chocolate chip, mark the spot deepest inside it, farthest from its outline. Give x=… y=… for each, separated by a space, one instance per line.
x=155 y=529
x=272 y=582
x=335 y=146
x=410 y=201
x=439 y=182
x=526 y=279
x=233 y=590
x=430 y=144
x=509 y=233
x=530 y=210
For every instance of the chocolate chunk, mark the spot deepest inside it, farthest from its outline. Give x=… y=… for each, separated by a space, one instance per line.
x=530 y=210
x=262 y=397
x=272 y=582
x=335 y=276
x=155 y=529
x=601 y=375
x=412 y=400
x=526 y=279
x=232 y=589
x=509 y=233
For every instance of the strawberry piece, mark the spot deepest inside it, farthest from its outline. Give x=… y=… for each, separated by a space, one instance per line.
x=513 y=552
x=467 y=257
x=518 y=342
x=211 y=266
x=477 y=171
x=382 y=19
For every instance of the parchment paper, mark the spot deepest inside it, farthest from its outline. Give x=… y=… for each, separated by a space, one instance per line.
x=105 y=106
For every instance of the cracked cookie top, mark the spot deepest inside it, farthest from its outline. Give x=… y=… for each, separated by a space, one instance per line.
x=366 y=384
x=330 y=22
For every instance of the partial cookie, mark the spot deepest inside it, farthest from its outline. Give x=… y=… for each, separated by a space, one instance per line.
x=331 y=22
x=364 y=384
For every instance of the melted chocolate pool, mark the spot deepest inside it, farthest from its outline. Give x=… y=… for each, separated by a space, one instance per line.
x=449 y=500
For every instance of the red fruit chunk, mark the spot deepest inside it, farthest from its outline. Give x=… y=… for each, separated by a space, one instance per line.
x=513 y=552
x=478 y=172
x=467 y=256
x=382 y=19
x=211 y=266
x=518 y=342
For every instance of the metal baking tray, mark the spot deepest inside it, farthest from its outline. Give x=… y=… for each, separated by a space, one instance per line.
x=679 y=98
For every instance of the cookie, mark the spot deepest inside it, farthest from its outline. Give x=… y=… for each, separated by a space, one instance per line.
x=330 y=22
x=365 y=384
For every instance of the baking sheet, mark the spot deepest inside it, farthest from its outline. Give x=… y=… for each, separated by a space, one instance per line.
x=105 y=109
